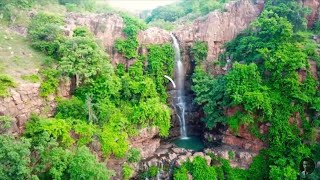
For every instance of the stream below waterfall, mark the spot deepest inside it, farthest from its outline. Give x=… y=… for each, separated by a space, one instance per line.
x=174 y=152
x=194 y=143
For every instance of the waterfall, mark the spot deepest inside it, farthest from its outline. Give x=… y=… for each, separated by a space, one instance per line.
x=179 y=94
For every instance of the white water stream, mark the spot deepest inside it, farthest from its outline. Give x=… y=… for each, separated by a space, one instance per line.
x=179 y=95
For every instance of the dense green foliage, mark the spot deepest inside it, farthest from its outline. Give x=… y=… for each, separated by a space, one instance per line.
x=45 y=33
x=270 y=82
x=62 y=160
x=268 y=86
x=72 y=1
x=165 y=16
x=169 y=26
x=160 y=63
x=218 y=169
x=50 y=82
x=175 y=11
x=84 y=166
x=199 y=51
x=210 y=91
x=81 y=56
x=40 y=157
x=129 y=47
x=56 y=128
x=5 y=83
x=71 y=108
x=14 y=158
x=292 y=11
x=150 y=173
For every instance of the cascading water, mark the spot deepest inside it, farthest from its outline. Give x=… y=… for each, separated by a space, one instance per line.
x=179 y=95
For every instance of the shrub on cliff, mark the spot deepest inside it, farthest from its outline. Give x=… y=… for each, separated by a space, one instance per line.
x=134 y=155
x=127 y=171
x=45 y=33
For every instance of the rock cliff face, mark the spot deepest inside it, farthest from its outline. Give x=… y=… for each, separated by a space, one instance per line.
x=147 y=142
x=107 y=28
x=314 y=6
x=24 y=100
x=219 y=27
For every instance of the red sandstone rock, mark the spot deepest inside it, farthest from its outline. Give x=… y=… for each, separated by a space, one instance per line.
x=243 y=139
x=314 y=69
x=219 y=27
x=146 y=142
x=314 y=6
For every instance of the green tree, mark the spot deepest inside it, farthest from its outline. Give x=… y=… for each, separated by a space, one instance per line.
x=84 y=165
x=244 y=86
x=167 y=13
x=45 y=33
x=11 y=9
x=200 y=170
x=113 y=142
x=81 y=57
x=211 y=93
x=199 y=51
x=72 y=108
x=14 y=158
x=58 y=129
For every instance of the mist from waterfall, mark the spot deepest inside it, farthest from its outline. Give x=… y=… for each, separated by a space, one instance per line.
x=180 y=105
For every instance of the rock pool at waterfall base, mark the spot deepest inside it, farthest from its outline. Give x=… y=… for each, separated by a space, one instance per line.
x=193 y=142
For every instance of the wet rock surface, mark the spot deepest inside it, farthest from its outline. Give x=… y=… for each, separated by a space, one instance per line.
x=168 y=156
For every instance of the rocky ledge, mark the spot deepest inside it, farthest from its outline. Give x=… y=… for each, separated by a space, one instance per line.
x=168 y=156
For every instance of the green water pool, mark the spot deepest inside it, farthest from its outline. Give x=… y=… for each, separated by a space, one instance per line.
x=193 y=142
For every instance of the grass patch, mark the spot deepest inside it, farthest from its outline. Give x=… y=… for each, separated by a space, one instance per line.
x=33 y=78
x=5 y=82
x=17 y=58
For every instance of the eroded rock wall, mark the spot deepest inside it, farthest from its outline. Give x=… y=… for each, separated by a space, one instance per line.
x=219 y=27
x=147 y=142
x=107 y=28
x=25 y=100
